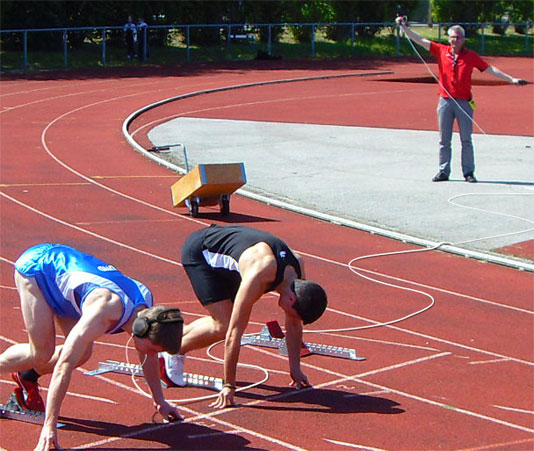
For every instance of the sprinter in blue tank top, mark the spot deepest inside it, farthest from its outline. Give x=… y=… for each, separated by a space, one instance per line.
x=230 y=268
x=88 y=298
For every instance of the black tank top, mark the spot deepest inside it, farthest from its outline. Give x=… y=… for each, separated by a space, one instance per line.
x=222 y=247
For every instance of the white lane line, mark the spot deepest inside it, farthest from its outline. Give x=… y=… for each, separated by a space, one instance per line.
x=352 y=445
x=7 y=261
x=357 y=378
x=514 y=409
x=8 y=340
x=7 y=288
x=421 y=285
x=369 y=393
x=234 y=430
x=76 y=395
x=211 y=415
x=211 y=434
x=382 y=342
x=88 y=232
x=342 y=378
x=505 y=445
x=440 y=340
x=483 y=362
x=449 y=407
x=92 y=91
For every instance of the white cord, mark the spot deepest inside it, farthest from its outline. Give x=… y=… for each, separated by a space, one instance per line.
x=199 y=398
x=502 y=235
x=398 y=320
x=451 y=201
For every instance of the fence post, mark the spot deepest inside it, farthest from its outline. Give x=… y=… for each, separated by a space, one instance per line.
x=527 y=26
x=352 y=36
x=397 y=40
x=104 y=47
x=188 y=40
x=65 y=60
x=482 y=40
x=229 y=42
x=269 y=40
x=144 y=30
x=25 y=50
x=313 y=40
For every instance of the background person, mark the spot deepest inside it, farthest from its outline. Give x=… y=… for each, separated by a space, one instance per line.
x=456 y=64
x=130 y=35
x=230 y=268
x=88 y=298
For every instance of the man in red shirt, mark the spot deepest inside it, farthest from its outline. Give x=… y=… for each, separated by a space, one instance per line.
x=456 y=64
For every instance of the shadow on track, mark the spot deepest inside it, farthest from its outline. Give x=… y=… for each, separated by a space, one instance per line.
x=174 y=435
x=321 y=400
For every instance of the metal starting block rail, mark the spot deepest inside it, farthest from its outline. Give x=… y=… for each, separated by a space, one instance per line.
x=265 y=339
x=13 y=411
x=131 y=369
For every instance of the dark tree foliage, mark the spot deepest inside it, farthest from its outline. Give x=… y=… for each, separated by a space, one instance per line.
x=22 y=14
x=482 y=10
x=462 y=11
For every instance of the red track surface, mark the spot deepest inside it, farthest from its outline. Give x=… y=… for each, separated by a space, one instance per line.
x=458 y=376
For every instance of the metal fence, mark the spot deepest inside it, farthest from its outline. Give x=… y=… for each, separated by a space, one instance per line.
x=53 y=48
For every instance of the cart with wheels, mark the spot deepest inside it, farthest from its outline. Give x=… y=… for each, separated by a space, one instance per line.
x=208 y=184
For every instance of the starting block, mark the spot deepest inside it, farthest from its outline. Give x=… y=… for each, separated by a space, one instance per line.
x=131 y=369
x=13 y=411
x=271 y=336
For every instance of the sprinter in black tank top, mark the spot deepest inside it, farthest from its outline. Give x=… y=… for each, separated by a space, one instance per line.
x=230 y=268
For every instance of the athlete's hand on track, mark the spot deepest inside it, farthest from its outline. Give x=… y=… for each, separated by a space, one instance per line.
x=225 y=398
x=299 y=380
x=169 y=412
x=47 y=439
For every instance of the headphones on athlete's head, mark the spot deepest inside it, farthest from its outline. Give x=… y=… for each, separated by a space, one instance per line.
x=141 y=326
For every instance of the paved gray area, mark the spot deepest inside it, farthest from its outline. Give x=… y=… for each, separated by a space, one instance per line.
x=374 y=176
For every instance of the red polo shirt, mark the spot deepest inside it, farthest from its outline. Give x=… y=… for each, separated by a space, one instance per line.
x=455 y=76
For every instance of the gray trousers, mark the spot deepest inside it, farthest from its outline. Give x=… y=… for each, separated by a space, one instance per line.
x=448 y=110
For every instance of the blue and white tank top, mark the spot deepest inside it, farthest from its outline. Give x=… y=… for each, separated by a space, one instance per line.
x=66 y=276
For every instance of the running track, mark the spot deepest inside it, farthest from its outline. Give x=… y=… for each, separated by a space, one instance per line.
x=458 y=376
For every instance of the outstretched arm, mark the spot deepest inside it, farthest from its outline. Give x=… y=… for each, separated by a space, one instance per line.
x=492 y=70
x=412 y=35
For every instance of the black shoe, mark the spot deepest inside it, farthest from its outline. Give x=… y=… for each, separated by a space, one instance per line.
x=440 y=177
x=470 y=178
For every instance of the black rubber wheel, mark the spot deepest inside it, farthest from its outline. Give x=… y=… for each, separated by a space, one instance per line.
x=194 y=208
x=225 y=205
